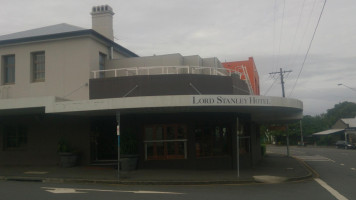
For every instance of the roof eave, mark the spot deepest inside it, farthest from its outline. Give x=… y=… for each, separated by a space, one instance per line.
x=116 y=46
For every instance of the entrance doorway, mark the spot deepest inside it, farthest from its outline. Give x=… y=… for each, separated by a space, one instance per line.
x=104 y=140
x=212 y=141
x=165 y=141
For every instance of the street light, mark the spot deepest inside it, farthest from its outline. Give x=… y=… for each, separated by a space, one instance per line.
x=353 y=89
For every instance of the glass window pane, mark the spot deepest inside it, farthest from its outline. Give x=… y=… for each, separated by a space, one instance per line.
x=181 y=132
x=149 y=133
x=160 y=150
x=102 y=58
x=211 y=141
x=170 y=133
x=9 y=69
x=38 y=66
x=14 y=137
x=175 y=150
x=167 y=146
x=150 y=151
x=171 y=148
x=159 y=133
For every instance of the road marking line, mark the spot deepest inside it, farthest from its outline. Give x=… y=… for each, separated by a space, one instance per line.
x=35 y=172
x=79 y=190
x=63 y=191
x=332 y=160
x=332 y=191
x=353 y=169
x=302 y=152
x=316 y=158
x=342 y=164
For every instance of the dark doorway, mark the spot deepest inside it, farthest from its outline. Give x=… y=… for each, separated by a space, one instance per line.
x=104 y=139
x=212 y=141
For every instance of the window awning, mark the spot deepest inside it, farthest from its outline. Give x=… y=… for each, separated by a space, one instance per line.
x=328 y=132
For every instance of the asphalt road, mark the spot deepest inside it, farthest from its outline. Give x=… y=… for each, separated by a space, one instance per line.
x=335 y=167
x=38 y=191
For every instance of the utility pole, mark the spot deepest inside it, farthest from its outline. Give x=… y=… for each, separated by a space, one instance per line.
x=301 y=134
x=281 y=74
x=118 y=143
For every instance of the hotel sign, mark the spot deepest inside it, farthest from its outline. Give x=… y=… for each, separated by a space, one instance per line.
x=230 y=100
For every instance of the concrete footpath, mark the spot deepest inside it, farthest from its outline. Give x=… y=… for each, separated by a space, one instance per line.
x=274 y=168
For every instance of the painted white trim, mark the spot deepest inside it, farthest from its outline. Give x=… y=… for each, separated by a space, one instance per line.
x=261 y=108
x=173 y=101
x=30 y=102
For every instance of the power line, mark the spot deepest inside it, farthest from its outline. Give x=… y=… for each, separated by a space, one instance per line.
x=297 y=28
x=274 y=32
x=275 y=80
x=281 y=33
x=306 y=55
x=303 y=36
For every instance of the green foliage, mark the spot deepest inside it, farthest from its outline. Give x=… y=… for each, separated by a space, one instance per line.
x=341 y=110
x=314 y=124
x=63 y=146
x=325 y=140
x=326 y=121
x=263 y=149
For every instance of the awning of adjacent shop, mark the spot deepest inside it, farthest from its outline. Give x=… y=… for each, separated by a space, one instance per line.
x=328 y=132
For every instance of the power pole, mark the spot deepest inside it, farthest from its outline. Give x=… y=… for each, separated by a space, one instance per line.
x=281 y=74
x=301 y=134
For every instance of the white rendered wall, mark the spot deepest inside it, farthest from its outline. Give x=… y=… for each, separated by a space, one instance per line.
x=68 y=66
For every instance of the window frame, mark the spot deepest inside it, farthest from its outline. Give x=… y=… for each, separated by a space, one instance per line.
x=165 y=141
x=8 y=75
x=38 y=66
x=102 y=64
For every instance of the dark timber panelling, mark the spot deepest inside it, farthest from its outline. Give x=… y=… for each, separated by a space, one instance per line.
x=171 y=84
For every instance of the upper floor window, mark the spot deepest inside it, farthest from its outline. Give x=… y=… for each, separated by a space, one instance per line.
x=102 y=63
x=38 y=66
x=8 y=69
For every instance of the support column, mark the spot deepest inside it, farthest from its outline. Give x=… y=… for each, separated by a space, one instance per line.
x=238 y=148
x=287 y=140
x=118 y=143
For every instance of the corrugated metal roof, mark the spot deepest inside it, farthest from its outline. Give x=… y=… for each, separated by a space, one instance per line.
x=47 y=30
x=58 y=31
x=350 y=121
x=327 y=132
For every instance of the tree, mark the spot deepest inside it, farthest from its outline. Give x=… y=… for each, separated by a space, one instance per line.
x=314 y=124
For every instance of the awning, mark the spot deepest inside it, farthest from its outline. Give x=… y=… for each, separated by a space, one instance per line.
x=327 y=132
x=261 y=108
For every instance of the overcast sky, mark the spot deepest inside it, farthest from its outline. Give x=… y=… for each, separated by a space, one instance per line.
x=276 y=33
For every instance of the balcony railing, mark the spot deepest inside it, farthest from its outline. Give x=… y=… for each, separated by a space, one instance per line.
x=160 y=70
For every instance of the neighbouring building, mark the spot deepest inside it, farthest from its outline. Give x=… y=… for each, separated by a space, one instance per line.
x=343 y=129
x=64 y=84
x=248 y=71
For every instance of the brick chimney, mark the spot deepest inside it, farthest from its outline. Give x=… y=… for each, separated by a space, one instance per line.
x=102 y=20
